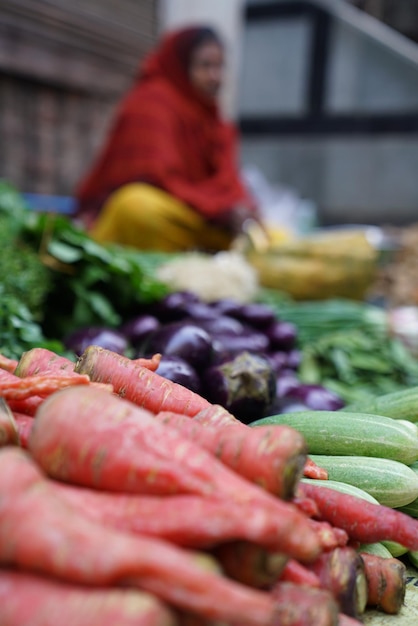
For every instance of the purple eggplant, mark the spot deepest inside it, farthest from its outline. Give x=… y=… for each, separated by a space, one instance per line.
x=286 y=382
x=227 y=306
x=200 y=311
x=255 y=314
x=315 y=397
x=245 y=386
x=185 y=340
x=250 y=341
x=294 y=359
x=108 y=338
x=222 y=325
x=278 y=360
x=172 y=306
x=138 y=328
x=282 y=335
x=179 y=371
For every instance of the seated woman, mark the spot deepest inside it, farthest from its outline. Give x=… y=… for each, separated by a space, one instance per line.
x=167 y=178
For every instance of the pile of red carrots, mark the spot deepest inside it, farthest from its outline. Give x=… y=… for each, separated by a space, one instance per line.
x=126 y=498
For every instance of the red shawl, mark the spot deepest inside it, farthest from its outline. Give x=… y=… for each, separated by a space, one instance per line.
x=168 y=134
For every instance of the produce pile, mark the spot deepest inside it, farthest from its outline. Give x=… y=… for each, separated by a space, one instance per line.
x=351 y=348
x=159 y=507
x=241 y=356
x=170 y=460
x=344 y=350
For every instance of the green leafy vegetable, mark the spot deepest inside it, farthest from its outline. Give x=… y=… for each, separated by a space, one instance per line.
x=346 y=346
x=92 y=284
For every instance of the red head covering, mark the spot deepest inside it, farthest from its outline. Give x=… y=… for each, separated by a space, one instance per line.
x=172 y=60
x=169 y=134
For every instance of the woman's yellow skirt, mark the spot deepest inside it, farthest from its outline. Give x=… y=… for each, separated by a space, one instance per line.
x=144 y=217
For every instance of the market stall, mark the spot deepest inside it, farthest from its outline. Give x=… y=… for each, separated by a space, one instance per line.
x=239 y=432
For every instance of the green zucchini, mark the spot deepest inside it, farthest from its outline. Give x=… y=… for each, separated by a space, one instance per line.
x=392 y=483
x=396 y=549
x=401 y=404
x=378 y=549
x=413 y=558
x=414 y=466
x=359 y=434
x=410 y=509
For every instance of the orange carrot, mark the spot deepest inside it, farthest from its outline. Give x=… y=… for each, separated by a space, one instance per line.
x=139 y=384
x=249 y=563
x=7 y=364
x=270 y=456
x=207 y=523
x=28 y=599
x=363 y=521
x=43 y=361
x=95 y=439
x=386 y=582
x=69 y=547
x=305 y=606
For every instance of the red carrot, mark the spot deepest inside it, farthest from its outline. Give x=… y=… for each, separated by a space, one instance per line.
x=29 y=599
x=270 y=456
x=9 y=434
x=29 y=406
x=218 y=417
x=305 y=606
x=68 y=546
x=295 y=572
x=386 y=582
x=23 y=388
x=206 y=524
x=307 y=505
x=95 y=439
x=151 y=364
x=7 y=364
x=24 y=425
x=139 y=384
x=341 y=571
x=312 y=470
x=249 y=563
x=6 y=376
x=363 y=521
x=42 y=361
x=345 y=620
x=329 y=536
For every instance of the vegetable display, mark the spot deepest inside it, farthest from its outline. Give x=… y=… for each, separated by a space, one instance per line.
x=177 y=461
x=174 y=492
x=347 y=347
x=241 y=356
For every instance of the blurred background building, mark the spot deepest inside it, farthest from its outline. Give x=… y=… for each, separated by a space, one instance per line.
x=325 y=92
